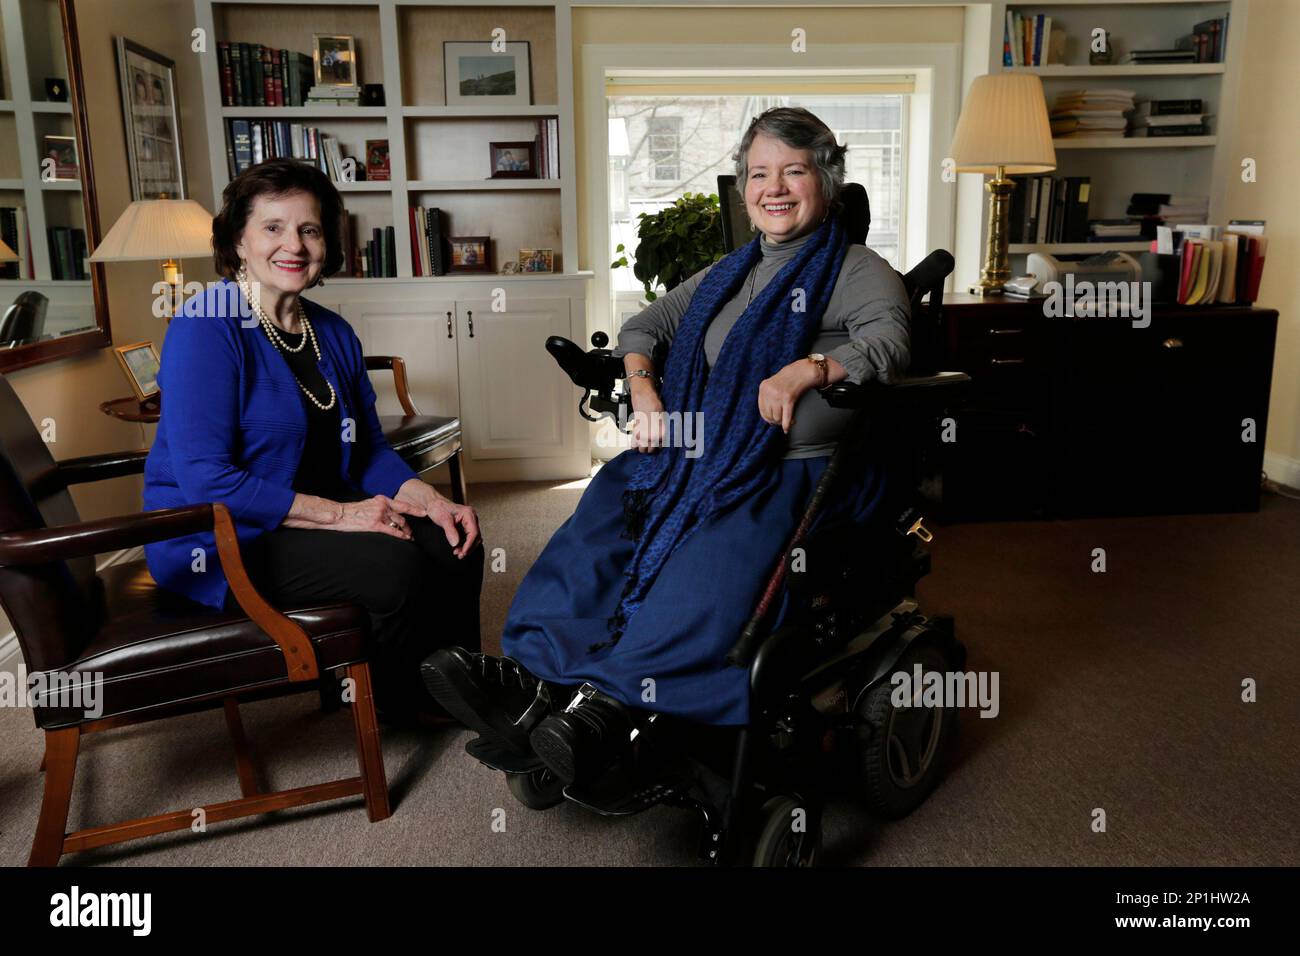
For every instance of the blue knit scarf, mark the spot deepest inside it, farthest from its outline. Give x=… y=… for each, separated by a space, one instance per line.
x=670 y=494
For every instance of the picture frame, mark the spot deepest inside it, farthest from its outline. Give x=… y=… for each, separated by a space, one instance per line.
x=150 y=112
x=535 y=261
x=140 y=365
x=474 y=74
x=377 y=163
x=63 y=150
x=470 y=254
x=334 y=59
x=513 y=160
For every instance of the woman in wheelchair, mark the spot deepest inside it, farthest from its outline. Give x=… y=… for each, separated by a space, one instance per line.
x=640 y=595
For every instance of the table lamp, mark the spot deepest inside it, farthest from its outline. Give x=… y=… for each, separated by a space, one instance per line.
x=166 y=229
x=1003 y=130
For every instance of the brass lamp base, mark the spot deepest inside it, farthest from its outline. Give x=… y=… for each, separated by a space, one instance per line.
x=997 y=267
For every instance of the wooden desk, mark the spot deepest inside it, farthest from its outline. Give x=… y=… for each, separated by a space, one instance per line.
x=1071 y=417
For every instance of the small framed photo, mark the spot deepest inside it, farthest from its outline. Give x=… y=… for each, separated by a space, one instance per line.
x=147 y=85
x=536 y=260
x=140 y=365
x=517 y=160
x=377 y=164
x=470 y=254
x=61 y=152
x=509 y=268
x=334 y=59
x=474 y=74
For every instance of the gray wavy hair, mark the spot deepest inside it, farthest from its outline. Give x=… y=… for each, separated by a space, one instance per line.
x=798 y=129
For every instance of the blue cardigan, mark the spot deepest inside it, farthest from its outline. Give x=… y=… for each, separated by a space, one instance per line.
x=233 y=428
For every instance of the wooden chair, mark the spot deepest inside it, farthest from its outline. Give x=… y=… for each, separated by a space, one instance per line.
x=152 y=654
x=423 y=441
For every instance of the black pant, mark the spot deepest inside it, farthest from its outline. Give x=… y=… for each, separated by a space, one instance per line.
x=420 y=596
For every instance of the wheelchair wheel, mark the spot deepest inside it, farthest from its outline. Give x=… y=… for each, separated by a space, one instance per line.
x=537 y=790
x=789 y=834
x=903 y=748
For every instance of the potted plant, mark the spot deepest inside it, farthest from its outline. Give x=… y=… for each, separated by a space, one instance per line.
x=676 y=242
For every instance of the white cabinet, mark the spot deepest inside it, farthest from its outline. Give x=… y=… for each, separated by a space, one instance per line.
x=524 y=404
x=518 y=411
x=423 y=334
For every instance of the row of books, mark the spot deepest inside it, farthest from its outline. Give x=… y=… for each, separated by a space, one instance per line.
x=1147 y=213
x=334 y=96
x=1050 y=209
x=548 y=148
x=13 y=229
x=249 y=142
x=256 y=75
x=427 y=255
x=377 y=257
x=1025 y=39
x=1208 y=40
x=1217 y=264
x=1182 y=117
x=68 y=253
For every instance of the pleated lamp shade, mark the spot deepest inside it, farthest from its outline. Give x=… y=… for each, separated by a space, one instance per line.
x=1004 y=123
x=158 y=229
x=7 y=254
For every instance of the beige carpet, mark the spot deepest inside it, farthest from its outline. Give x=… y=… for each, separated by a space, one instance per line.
x=1119 y=691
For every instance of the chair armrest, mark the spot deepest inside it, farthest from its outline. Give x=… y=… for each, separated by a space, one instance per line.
x=917 y=390
x=62 y=542
x=397 y=365
x=75 y=471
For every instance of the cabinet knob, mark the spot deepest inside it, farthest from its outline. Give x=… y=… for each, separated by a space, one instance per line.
x=469 y=313
x=1006 y=331
x=1172 y=343
x=449 y=324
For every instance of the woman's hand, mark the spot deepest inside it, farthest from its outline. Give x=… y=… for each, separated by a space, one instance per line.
x=443 y=512
x=379 y=513
x=647 y=416
x=777 y=395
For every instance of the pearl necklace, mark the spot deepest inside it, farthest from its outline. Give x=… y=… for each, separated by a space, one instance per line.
x=273 y=333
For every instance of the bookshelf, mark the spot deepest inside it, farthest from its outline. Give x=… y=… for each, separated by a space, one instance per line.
x=1181 y=165
x=438 y=153
x=32 y=44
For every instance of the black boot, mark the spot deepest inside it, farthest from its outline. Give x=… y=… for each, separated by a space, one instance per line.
x=586 y=738
x=495 y=696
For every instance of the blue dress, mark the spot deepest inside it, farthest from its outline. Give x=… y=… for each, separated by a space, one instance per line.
x=672 y=656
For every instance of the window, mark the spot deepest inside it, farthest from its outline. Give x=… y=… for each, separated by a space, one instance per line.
x=664 y=146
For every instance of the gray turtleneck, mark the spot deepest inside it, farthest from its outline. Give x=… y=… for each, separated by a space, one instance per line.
x=865 y=329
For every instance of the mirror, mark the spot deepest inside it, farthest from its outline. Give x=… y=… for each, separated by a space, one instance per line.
x=52 y=302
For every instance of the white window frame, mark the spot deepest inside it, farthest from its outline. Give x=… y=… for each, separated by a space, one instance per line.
x=932 y=117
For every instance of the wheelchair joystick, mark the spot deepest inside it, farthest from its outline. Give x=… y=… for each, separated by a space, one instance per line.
x=599 y=339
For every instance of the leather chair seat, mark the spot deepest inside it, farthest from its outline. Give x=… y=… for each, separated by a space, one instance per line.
x=159 y=650
x=414 y=433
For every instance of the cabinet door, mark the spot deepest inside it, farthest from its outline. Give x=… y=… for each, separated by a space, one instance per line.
x=424 y=335
x=517 y=403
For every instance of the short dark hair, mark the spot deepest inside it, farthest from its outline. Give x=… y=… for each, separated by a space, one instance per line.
x=275 y=177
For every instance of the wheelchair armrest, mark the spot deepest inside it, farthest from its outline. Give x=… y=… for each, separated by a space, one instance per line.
x=912 y=390
x=596 y=370
x=75 y=471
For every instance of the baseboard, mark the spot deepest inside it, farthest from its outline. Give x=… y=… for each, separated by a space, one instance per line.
x=9 y=652
x=1283 y=470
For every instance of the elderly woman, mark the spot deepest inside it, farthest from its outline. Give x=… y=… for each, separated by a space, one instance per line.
x=268 y=409
x=643 y=591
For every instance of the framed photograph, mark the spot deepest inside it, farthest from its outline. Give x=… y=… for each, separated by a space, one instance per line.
x=140 y=365
x=470 y=254
x=155 y=161
x=334 y=60
x=474 y=74
x=536 y=260
x=377 y=165
x=62 y=150
x=516 y=160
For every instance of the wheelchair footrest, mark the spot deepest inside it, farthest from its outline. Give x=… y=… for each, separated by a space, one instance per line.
x=638 y=783
x=499 y=758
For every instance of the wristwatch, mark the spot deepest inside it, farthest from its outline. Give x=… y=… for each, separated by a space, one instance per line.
x=823 y=369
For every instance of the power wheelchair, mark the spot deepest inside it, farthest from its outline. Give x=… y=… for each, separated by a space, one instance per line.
x=820 y=684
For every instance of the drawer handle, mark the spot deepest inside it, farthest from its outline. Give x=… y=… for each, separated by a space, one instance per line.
x=470 y=313
x=1006 y=331
x=449 y=325
x=1008 y=361
x=1172 y=343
